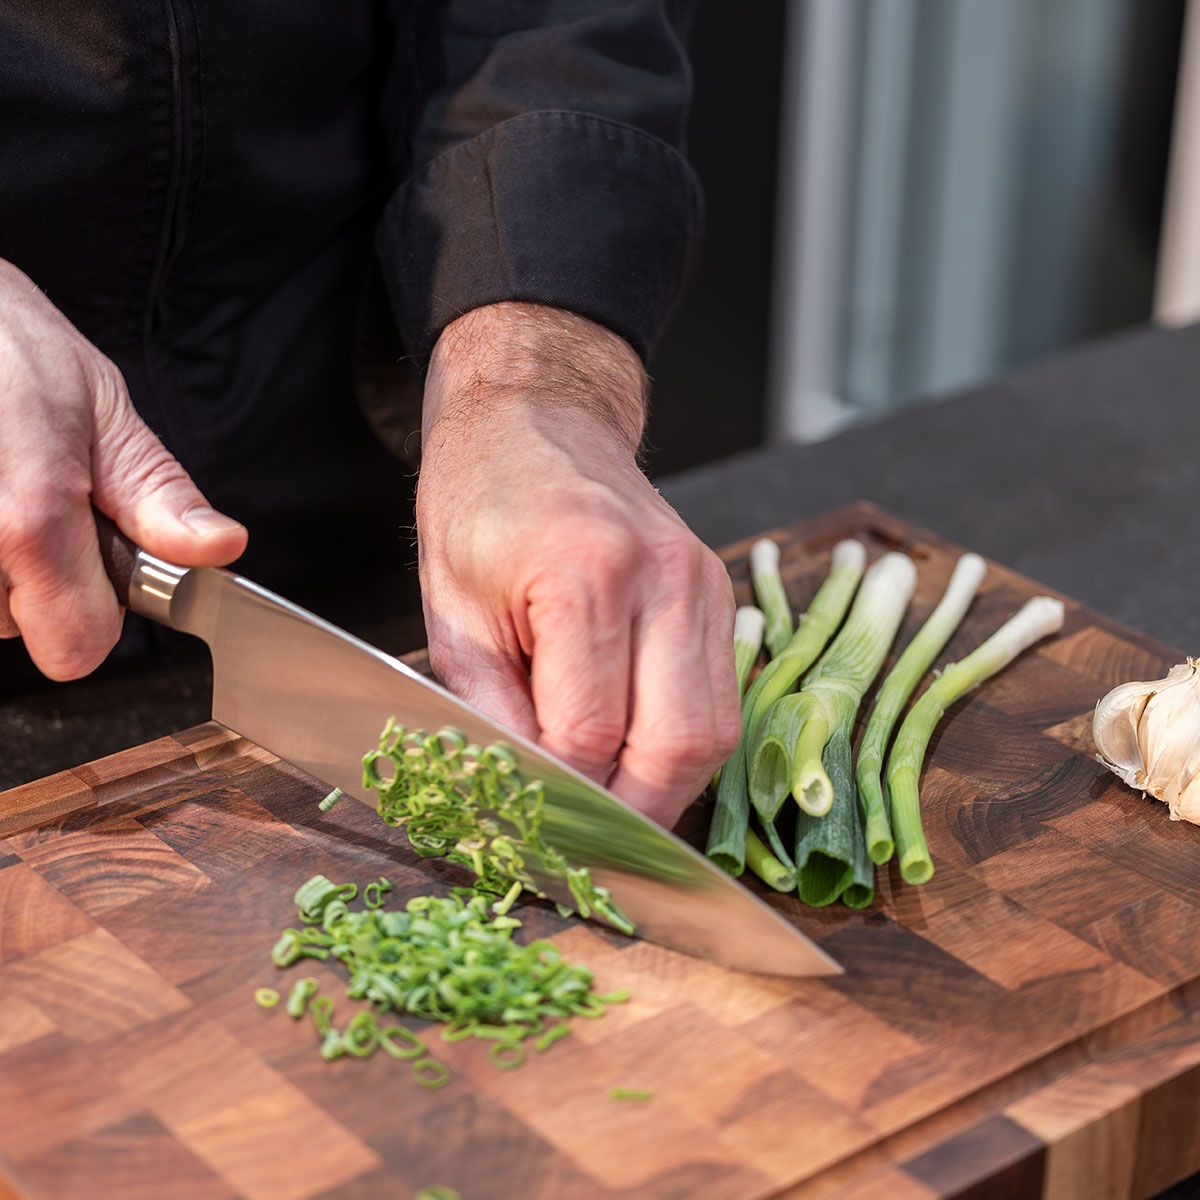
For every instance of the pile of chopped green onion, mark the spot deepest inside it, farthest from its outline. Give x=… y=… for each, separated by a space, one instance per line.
x=798 y=723
x=445 y=959
x=469 y=805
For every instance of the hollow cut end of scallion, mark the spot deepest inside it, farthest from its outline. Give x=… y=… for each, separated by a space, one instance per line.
x=770 y=776
x=823 y=879
x=810 y=784
x=916 y=867
x=729 y=863
x=880 y=847
x=812 y=789
x=766 y=866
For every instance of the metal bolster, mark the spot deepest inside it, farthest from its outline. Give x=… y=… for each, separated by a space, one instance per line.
x=152 y=587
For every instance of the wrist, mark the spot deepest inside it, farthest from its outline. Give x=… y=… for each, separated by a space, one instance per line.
x=532 y=365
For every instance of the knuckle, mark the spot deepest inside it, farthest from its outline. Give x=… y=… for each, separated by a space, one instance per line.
x=30 y=525
x=595 y=739
x=686 y=748
x=681 y=556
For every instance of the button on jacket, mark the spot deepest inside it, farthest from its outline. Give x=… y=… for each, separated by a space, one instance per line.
x=219 y=194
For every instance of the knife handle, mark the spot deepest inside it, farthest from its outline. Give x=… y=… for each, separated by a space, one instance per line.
x=119 y=555
x=144 y=584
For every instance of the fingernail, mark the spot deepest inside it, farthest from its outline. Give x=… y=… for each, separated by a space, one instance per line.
x=207 y=522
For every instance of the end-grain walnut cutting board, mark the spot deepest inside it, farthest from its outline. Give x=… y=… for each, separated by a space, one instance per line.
x=1028 y=1024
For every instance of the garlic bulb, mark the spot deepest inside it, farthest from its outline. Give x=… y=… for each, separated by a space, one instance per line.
x=1149 y=735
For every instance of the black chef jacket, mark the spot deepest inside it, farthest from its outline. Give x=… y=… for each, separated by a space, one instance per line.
x=218 y=193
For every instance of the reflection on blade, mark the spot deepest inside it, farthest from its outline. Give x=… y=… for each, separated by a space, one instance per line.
x=318 y=697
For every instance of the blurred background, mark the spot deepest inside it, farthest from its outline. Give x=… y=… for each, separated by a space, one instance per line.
x=906 y=197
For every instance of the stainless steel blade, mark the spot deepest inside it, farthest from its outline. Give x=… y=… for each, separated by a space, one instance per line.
x=318 y=697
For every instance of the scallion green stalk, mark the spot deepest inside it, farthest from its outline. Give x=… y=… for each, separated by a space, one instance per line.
x=1039 y=618
x=731 y=816
x=893 y=695
x=804 y=747
x=772 y=598
x=748 y=625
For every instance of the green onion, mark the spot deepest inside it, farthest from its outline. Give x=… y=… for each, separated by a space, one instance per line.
x=361 y=1035
x=1036 y=620
x=805 y=743
x=731 y=816
x=429 y=1073
x=772 y=598
x=437 y=1192
x=331 y=800
x=621 y=997
x=332 y=1046
x=321 y=1008
x=893 y=695
x=747 y=641
x=410 y=1046
x=766 y=866
x=303 y=990
x=469 y=805
x=553 y=1034
x=507 y=1055
x=441 y=958
x=374 y=893
x=622 y=1093
x=266 y=997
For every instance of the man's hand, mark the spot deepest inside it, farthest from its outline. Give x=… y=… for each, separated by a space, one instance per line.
x=563 y=596
x=69 y=437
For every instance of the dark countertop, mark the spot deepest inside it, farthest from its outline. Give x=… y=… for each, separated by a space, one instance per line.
x=1082 y=472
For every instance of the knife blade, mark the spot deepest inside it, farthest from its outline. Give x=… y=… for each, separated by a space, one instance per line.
x=318 y=697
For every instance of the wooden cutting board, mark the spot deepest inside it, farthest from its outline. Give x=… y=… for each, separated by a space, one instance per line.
x=1027 y=1024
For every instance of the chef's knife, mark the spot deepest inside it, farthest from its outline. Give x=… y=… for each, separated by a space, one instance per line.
x=318 y=697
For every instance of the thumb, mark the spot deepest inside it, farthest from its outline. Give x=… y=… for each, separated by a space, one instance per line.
x=137 y=482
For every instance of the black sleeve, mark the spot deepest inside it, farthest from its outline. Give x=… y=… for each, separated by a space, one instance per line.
x=543 y=147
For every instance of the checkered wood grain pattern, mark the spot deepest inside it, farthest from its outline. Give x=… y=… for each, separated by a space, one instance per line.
x=1028 y=1024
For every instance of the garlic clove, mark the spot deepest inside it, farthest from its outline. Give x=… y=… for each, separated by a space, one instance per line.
x=1148 y=733
x=1168 y=731
x=1187 y=807
x=1115 y=729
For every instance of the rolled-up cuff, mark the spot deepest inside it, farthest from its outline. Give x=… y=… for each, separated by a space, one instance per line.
x=558 y=208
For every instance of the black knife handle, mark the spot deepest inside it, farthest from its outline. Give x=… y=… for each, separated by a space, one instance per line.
x=118 y=553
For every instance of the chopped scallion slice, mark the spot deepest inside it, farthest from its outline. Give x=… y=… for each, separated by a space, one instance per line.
x=303 y=990
x=331 y=800
x=266 y=997
x=429 y=1073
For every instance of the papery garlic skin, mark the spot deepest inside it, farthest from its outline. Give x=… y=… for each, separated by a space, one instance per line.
x=1148 y=733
